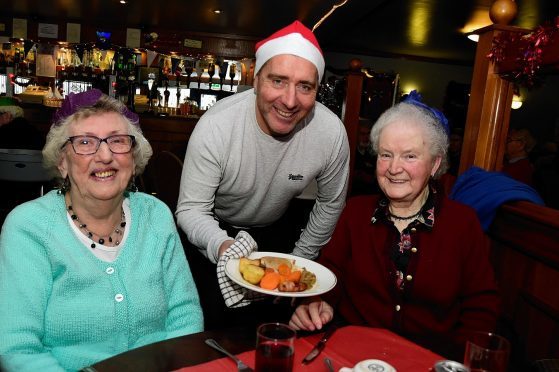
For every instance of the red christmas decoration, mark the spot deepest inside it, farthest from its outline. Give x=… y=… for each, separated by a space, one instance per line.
x=531 y=48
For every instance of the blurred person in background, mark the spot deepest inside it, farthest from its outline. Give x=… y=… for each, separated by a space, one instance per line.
x=364 y=181
x=455 y=150
x=517 y=162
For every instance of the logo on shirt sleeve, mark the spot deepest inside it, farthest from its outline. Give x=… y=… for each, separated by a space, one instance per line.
x=295 y=177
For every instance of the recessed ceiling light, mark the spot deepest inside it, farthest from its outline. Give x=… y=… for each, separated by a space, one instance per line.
x=516 y=102
x=473 y=37
x=123 y=1
x=217 y=11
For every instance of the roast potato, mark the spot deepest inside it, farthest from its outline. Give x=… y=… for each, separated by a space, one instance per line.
x=244 y=262
x=253 y=274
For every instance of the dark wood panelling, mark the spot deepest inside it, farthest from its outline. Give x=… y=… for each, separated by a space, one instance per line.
x=168 y=133
x=525 y=246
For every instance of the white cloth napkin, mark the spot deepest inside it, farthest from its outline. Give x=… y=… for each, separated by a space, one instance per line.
x=233 y=294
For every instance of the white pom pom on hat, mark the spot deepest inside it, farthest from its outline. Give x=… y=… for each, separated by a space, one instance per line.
x=295 y=39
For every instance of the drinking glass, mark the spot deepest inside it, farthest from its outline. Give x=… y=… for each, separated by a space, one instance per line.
x=486 y=352
x=274 y=348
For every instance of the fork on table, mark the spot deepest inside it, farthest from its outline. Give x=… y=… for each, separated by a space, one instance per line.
x=241 y=366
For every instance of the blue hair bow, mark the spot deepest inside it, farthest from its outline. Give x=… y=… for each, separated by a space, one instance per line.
x=415 y=98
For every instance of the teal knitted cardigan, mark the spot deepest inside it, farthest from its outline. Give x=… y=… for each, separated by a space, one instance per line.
x=61 y=308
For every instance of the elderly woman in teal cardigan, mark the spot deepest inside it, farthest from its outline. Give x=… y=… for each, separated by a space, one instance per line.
x=95 y=268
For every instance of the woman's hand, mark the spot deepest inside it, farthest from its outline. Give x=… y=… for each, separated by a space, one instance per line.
x=312 y=315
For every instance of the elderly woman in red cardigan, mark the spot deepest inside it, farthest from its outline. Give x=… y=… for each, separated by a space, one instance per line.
x=410 y=259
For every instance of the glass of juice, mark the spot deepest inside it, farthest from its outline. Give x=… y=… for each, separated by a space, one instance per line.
x=274 y=347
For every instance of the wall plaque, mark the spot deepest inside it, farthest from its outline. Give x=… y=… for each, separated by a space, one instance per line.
x=49 y=30
x=191 y=43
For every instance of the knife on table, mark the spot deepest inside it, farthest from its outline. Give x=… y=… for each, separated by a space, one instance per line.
x=319 y=345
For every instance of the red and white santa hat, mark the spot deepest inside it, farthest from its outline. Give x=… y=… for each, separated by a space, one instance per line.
x=294 y=39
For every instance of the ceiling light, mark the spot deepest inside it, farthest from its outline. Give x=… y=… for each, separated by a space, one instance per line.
x=516 y=102
x=407 y=87
x=123 y=1
x=418 y=27
x=217 y=11
x=473 y=37
x=477 y=19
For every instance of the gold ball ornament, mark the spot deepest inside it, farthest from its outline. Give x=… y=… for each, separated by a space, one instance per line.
x=502 y=12
x=355 y=64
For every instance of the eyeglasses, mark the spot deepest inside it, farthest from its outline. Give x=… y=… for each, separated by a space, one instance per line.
x=88 y=145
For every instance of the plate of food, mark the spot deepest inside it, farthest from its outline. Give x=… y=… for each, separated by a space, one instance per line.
x=280 y=274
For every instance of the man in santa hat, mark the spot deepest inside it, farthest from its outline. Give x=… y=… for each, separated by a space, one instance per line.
x=253 y=153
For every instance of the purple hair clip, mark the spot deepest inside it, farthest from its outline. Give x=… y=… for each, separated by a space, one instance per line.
x=414 y=98
x=74 y=101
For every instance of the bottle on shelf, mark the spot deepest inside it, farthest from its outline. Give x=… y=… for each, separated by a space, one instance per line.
x=17 y=61
x=178 y=91
x=131 y=64
x=232 y=73
x=16 y=56
x=120 y=62
x=166 y=93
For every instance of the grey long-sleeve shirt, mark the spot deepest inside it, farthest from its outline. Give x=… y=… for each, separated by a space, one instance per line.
x=247 y=178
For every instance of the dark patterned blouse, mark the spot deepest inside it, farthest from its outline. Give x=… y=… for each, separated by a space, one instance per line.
x=400 y=252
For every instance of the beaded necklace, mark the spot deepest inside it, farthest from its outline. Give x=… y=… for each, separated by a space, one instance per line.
x=118 y=230
x=401 y=218
x=407 y=218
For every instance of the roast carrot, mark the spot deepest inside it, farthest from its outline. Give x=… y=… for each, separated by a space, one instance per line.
x=294 y=276
x=270 y=281
x=283 y=269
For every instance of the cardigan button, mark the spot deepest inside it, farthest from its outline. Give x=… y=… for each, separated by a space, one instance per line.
x=109 y=270
x=413 y=229
x=398 y=307
x=409 y=278
x=414 y=250
x=119 y=297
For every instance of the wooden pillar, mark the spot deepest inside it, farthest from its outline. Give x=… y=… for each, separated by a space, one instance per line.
x=487 y=121
x=350 y=111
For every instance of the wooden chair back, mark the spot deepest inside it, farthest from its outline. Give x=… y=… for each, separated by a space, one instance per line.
x=162 y=177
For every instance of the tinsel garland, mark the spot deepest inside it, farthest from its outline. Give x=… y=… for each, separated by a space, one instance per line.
x=531 y=48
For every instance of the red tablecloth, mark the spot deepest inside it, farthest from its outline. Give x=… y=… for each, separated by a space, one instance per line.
x=345 y=348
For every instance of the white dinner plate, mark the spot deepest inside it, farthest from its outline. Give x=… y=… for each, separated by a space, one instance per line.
x=325 y=279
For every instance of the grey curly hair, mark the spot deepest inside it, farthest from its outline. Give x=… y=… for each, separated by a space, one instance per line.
x=435 y=134
x=58 y=136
